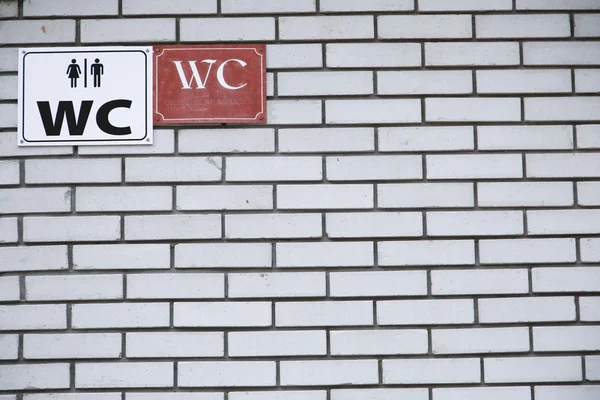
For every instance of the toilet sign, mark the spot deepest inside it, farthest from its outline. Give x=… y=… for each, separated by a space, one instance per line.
x=197 y=84
x=85 y=96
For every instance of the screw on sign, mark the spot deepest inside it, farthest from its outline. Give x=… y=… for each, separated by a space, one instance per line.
x=103 y=96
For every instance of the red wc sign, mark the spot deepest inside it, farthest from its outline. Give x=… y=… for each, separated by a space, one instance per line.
x=210 y=84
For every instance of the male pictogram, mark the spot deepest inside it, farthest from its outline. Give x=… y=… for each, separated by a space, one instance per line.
x=73 y=72
x=97 y=70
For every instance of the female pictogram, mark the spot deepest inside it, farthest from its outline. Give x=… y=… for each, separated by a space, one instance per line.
x=73 y=72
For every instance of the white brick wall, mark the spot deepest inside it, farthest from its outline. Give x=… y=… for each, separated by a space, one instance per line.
x=419 y=219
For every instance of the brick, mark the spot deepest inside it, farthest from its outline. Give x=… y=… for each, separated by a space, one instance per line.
x=279 y=395
x=380 y=394
x=423 y=26
x=324 y=254
x=587 y=80
x=72 y=345
x=427 y=252
x=488 y=393
x=566 y=338
x=348 y=55
x=172 y=227
x=561 y=53
x=485 y=281
x=226 y=29
x=265 y=7
x=31 y=200
x=383 y=224
x=9 y=62
x=524 y=81
x=8 y=10
x=159 y=7
x=282 y=343
x=255 y=226
x=63 y=229
x=287 y=284
x=562 y=108
x=175 y=344
x=38 y=317
x=474 y=166
x=33 y=258
x=223 y=255
x=9 y=288
x=557 y=5
x=425 y=312
x=367 y=342
x=9 y=173
x=39 y=376
x=587 y=25
x=175 y=286
x=474 y=223
x=587 y=193
x=128 y=30
x=592 y=368
x=425 y=138
x=569 y=279
x=563 y=165
x=226 y=141
x=524 y=194
x=579 y=392
x=65 y=8
x=480 y=340
x=37 y=31
x=120 y=315
x=464 y=5
x=321 y=140
x=138 y=198
x=274 y=169
x=8 y=230
x=526 y=309
x=345 y=168
x=74 y=396
x=224 y=314
x=8 y=113
x=285 y=56
x=230 y=197
x=358 y=5
x=472 y=109
x=424 y=82
x=328 y=372
x=324 y=83
x=324 y=313
x=121 y=256
x=532 y=369
x=9 y=147
x=589 y=307
x=74 y=287
x=421 y=195
x=163 y=143
x=292 y=112
x=523 y=26
x=226 y=373
x=124 y=375
x=326 y=27
x=562 y=222
x=431 y=371
x=9 y=347
x=177 y=169
x=8 y=90
x=472 y=54
x=73 y=171
x=590 y=249
x=530 y=137
x=526 y=251
x=378 y=283
x=381 y=111
x=324 y=196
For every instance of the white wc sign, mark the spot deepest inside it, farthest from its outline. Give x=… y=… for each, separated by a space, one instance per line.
x=85 y=96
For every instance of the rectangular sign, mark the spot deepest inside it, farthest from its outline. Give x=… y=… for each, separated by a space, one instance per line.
x=85 y=96
x=210 y=84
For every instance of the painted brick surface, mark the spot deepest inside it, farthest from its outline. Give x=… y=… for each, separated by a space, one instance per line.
x=418 y=219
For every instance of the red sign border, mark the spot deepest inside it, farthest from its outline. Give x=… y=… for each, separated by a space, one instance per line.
x=259 y=118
